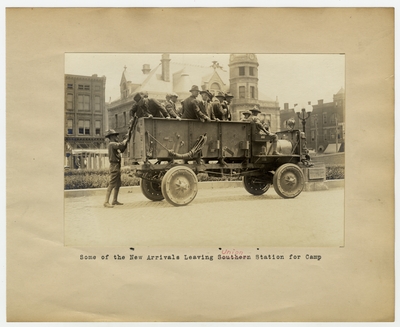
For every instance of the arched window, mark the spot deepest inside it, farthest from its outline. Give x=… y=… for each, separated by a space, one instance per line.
x=215 y=87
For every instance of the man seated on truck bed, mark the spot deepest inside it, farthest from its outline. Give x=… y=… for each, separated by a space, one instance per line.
x=263 y=130
x=147 y=107
x=190 y=106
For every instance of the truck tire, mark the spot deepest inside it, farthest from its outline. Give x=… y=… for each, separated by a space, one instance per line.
x=151 y=190
x=179 y=186
x=255 y=185
x=288 y=181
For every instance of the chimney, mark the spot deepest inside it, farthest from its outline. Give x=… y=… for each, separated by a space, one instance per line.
x=286 y=106
x=320 y=102
x=165 y=67
x=146 y=69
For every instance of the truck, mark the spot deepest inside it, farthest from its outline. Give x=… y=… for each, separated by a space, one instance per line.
x=168 y=155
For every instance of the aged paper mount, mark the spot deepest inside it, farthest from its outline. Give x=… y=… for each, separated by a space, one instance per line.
x=47 y=281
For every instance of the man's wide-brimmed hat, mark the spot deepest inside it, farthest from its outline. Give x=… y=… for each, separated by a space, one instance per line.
x=220 y=94
x=111 y=132
x=228 y=95
x=255 y=109
x=173 y=94
x=138 y=96
x=247 y=112
x=194 y=88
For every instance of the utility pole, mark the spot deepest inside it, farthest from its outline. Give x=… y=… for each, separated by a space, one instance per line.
x=316 y=132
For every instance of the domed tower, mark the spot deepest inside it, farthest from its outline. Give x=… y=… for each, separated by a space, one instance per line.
x=243 y=78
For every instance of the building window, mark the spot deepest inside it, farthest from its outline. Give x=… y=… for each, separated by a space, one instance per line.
x=333 y=119
x=80 y=127
x=98 y=127
x=252 y=92
x=83 y=102
x=333 y=134
x=70 y=86
x=97 y=87
x=70 y=129
x=215 y=87
x=241 y=71
x=97 y=103
x=80 y=87
x=324 y=118
x=87 y=87
x=312 y=135
x=124 y=118
x=70 y=99
x=251 y=71
x=84 y=127
x=325 y=134
x=83 y=87
x=242 y=92
x=116 y=120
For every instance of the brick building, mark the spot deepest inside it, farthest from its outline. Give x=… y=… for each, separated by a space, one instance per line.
x=325 y=128
x=85 y=121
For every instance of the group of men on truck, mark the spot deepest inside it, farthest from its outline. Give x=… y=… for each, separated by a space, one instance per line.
x=210 y=107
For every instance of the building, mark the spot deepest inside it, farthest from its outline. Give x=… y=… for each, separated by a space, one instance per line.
x=85 y=121
x=325 y=128
x=243 y=77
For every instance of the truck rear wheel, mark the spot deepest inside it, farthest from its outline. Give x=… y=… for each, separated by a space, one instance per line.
x=151 y=190
x=255 y=185
x=179 y=186
x=288 y=181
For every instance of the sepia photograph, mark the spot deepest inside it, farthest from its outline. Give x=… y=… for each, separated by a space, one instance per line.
x=199 y=164
x=204 y=149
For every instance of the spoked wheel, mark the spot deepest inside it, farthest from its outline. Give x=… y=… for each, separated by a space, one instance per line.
x=179 y=186
x=151 y=189
x=255 y=185
x=288 y=181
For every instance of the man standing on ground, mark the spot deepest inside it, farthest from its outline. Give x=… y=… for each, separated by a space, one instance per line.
x=115 y=149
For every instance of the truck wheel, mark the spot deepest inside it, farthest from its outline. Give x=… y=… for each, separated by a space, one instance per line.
x=288 y=181
x=255 y=185
x=179 y=186
x=151 y=190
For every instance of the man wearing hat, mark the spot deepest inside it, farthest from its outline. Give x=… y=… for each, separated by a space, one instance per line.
x=205 y=105
x=190 y=106
x=146 y=107
x=228 y=99
x=261 y=128
x=115 y=149
x=170 y=105
x=246 y=115
x=220 y=108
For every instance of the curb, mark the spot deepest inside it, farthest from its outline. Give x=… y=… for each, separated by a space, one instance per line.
x=329 y=184
x=136 y=189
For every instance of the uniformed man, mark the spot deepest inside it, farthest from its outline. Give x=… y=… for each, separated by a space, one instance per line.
x=246 y=115
x=170 y=105
x=263 y=130
x=147 y=107
x=190 y=106
x=115 y=149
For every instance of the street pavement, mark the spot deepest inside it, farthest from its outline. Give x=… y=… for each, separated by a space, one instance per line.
x=216 y=217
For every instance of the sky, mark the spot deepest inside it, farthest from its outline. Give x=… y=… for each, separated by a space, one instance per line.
x=293 y=78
